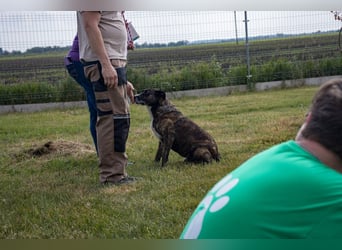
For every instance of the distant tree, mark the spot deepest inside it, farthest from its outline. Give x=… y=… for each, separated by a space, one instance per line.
x=182 y=43
x=16 y=52
x=3 y=52
x=37 y=50
x=171 y=44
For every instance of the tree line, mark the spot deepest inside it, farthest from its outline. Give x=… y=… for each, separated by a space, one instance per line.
x=38 y=50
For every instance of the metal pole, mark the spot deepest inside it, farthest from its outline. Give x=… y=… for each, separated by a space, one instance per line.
x=247 y=53
x=236 y=33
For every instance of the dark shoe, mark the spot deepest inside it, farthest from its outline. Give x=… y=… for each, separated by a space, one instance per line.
x=125 y=180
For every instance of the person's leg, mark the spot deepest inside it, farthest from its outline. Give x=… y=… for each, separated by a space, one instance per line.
x=91 y=101
x=93 y=116
x=112 y=127
x=76 y=70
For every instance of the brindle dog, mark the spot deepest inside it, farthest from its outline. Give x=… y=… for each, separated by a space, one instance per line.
x=175 y=131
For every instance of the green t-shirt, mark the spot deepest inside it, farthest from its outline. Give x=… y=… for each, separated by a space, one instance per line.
x=283 y=192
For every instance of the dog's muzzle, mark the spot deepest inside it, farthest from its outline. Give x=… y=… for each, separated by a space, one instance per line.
x=137 y=100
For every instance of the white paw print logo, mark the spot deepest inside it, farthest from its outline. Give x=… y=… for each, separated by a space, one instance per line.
x=219 y=191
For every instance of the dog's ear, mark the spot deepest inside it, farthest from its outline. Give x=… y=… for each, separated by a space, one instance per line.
x=161 y=94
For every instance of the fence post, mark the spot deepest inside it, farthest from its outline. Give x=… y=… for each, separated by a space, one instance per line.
x=236 y=32
x=248 y=76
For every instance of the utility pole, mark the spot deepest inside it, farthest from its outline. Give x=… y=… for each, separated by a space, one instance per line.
x=249 y=85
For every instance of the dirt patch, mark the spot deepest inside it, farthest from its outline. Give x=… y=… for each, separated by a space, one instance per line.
x=59 y=147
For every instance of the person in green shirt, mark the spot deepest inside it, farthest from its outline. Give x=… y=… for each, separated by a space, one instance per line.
x=291 y=190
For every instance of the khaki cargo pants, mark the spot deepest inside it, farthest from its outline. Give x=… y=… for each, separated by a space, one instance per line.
x=113 y=122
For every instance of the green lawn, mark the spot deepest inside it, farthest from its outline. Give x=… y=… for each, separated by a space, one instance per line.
x=58 y=195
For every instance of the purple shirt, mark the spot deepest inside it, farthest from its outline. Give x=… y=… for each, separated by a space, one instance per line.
x=73 y=53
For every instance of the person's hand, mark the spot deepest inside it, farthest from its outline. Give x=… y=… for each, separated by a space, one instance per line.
x=130 y=91
x=110 y=76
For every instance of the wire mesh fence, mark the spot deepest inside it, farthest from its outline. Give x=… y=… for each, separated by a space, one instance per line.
x=179 y=49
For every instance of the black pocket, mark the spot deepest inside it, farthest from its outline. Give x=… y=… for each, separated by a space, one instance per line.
x=121 y=72
x=122 y=75
x=121 y=130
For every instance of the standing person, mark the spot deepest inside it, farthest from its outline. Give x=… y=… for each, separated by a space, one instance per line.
x=103 y=52
x=76 y=71
x=292 y=190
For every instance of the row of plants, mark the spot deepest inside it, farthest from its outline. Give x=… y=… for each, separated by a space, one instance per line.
x=195 y=75
x=41 y=92
x=212 y=74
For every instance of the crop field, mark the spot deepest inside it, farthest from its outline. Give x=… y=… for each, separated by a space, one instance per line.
x=49 y=67
x=27 y=69
x=232 y=54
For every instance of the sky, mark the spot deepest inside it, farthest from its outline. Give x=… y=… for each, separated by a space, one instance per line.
x=21 y=30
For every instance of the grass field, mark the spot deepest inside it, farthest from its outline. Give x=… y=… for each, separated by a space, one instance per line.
x=57 y=195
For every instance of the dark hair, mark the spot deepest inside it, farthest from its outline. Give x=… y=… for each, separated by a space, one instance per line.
x=325 y=124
